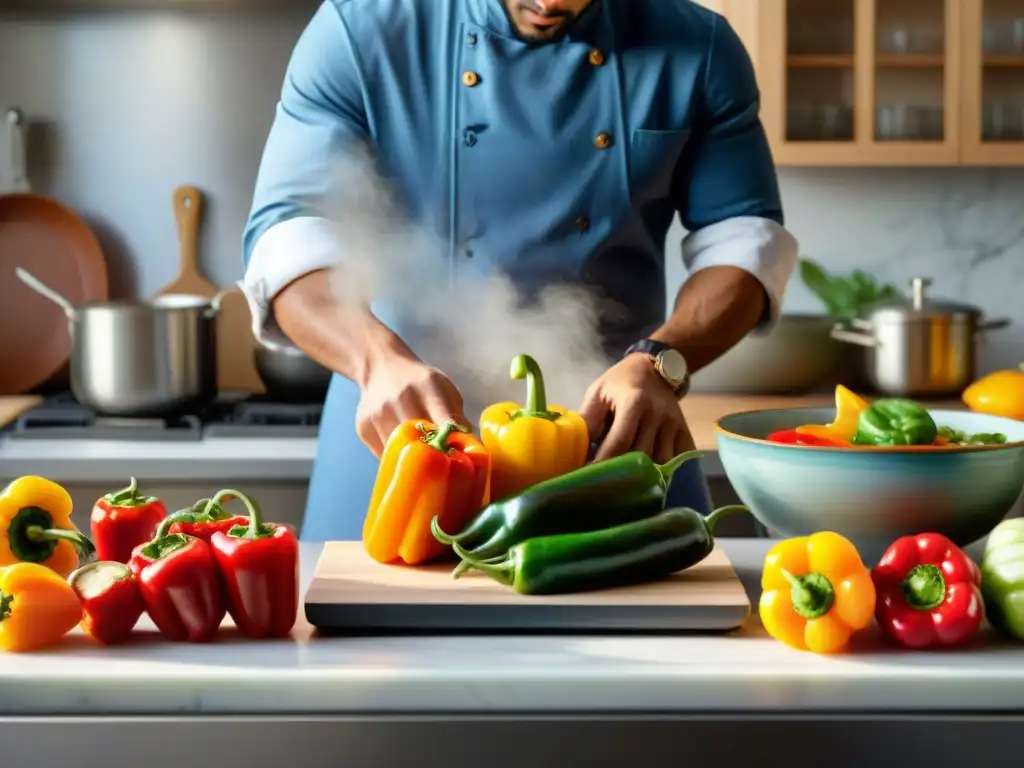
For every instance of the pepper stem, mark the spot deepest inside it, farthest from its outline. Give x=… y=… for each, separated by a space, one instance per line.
x=721 y=512
x=525 y=367
x=125 y=494
x=256 y=529
x=925 y=587
x=37 y=534
x=438 y=438
x=812 y=595
x=5 y=605
x=502 y=571
x=668 y=469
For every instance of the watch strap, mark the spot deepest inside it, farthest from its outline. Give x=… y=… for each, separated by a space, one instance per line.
x=653 y=349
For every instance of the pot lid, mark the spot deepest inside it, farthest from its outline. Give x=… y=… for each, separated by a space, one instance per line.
x=919 y=305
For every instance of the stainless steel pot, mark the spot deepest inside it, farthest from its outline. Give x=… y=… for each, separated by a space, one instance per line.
x=290 y=375
x=797 y=356
x=156 y=357
x=921 y=347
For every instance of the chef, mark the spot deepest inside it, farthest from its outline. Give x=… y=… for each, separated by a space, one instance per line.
x=550 y=141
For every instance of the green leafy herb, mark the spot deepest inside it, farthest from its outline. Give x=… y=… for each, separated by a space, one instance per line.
x=844 y=297
x=957 y=437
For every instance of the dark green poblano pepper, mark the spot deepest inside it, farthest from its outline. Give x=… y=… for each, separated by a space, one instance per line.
x=895 y=421
x=1002 y=577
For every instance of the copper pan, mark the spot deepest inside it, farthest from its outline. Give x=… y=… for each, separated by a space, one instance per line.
x=45 y=237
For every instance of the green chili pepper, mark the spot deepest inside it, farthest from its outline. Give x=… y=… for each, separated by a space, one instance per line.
x=634 y=553
x=1002 y=577
x=606 y=493
x=895 y=421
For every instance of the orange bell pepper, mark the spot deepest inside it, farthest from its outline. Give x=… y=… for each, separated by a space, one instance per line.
x=849 y=407
x=533 y=442
x=424 y=471
x=998 y=394
x=816 y=592
x=36 y=527
x=37 y=607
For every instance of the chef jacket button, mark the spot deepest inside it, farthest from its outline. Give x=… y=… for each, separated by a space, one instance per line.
x=602 y=141
x=582 y=223
x=470 y=79
x=596 y=57
x=471 y=39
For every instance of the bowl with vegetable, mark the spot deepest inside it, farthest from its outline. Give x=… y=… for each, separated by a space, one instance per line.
x=874 y=471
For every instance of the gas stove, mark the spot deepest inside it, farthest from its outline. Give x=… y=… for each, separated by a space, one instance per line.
x=233 y=415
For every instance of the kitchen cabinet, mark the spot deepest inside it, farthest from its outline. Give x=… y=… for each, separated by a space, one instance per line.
x=887 y=82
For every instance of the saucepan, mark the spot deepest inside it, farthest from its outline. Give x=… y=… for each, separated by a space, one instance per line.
x=290 y=375
x=920 y=347
x=150 y=358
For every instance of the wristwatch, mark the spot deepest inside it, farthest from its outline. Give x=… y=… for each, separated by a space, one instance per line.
x=668 y=362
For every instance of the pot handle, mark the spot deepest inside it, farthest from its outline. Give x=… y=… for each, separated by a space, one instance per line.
x=993 y=325
x=214 y=309
x=840 y=332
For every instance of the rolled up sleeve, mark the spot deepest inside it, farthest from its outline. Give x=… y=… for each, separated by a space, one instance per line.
x=727 y=191
x=320 y=119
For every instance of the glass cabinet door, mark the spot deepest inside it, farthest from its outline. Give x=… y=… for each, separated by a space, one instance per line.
x=993 y=75
x=863 y=82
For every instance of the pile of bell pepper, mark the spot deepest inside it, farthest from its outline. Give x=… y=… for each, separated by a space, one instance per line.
x=186 y=570
x=890 y=421
x=442 y=470
x=924 y=592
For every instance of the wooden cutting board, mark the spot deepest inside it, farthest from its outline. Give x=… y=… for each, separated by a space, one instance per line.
x=13 y=406
x=236 y=366
x=188 y=215
x=350 y=592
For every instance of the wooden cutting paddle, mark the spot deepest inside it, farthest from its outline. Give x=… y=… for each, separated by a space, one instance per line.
x=236 y=345
x=188 y=210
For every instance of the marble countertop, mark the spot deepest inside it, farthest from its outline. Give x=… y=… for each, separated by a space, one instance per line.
x=742 y=671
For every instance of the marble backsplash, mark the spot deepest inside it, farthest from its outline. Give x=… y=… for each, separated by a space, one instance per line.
x=195 y=104
x=962 y=227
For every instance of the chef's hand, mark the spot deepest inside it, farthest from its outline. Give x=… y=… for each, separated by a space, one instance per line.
x=643 y=411
x=400 y=389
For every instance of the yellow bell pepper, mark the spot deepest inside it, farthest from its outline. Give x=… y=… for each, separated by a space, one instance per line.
x=532 y=443
x=816 y=592
x=37 y=607
x=36 y=527
x=849 y=407
x=998 y=394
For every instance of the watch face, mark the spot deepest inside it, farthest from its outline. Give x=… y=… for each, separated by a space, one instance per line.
x=674 y=365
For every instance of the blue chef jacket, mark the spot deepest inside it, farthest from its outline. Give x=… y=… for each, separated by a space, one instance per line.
x=555 y=163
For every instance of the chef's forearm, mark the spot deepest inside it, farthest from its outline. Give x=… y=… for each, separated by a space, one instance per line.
x=347 y=339
x=714 y=310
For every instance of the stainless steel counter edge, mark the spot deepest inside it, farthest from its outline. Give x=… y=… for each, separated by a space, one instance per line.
x=236 y=459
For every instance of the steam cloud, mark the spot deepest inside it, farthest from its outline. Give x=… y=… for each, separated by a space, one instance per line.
x=474 y=325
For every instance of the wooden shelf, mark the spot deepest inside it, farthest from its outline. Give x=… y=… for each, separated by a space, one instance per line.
x=1003 y=60
x=821 y=61
x=910 y=60
x=893 y=60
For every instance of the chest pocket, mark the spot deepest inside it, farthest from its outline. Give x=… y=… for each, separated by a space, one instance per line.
x=653 y=155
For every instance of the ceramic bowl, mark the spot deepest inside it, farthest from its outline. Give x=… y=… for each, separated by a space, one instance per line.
x=872 y=495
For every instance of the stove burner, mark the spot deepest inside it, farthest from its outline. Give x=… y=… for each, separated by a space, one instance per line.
x=62 y=418
x=263 y=418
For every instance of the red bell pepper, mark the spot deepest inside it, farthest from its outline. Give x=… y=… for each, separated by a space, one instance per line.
x=792 y=437
x=111 y=600
x=260 y=565
x=122 y=520
x=201 y=520
x=929 y=592
x=181 y=586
